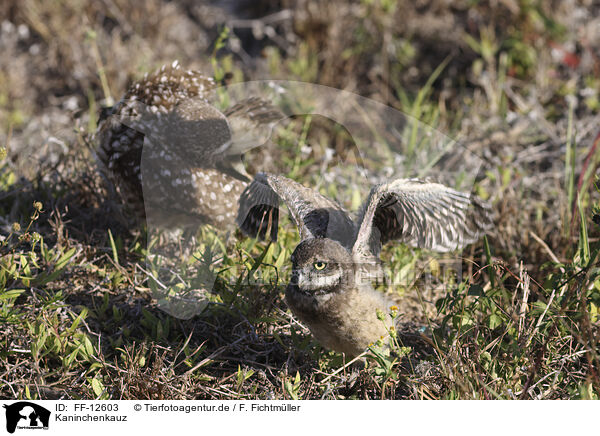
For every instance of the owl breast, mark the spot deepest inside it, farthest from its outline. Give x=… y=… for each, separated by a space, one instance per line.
x=345 y=322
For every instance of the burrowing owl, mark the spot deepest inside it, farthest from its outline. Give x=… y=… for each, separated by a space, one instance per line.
x=165 y=137
x=330 y=290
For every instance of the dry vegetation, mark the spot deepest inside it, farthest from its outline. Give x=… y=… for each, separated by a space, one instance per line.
x=517 y=82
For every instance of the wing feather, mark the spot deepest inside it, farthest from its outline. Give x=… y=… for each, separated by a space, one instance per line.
x=420 y=214
x=315 y=215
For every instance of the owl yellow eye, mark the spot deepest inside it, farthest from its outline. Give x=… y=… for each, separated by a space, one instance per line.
x=319 y=265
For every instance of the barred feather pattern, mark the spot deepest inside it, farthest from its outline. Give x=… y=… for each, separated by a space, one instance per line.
x=314 y=215
x=414 y=212
x=420 y=214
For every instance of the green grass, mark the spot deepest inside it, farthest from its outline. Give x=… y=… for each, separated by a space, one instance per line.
x=82 y=321
x=81 y=295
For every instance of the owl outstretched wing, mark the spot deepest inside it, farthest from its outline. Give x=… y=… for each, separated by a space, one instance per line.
x=420 y=214
x=314 y=215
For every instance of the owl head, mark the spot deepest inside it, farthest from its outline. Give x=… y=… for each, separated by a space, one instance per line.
x=321 y=266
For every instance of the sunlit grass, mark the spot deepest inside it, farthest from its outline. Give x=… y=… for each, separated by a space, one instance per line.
x=83 y=299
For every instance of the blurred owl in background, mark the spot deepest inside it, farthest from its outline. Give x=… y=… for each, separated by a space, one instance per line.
x=175 y=159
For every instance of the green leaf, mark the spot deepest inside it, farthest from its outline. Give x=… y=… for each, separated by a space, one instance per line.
x=71 y=358
x=78 y=320
x=281 y=258
x=113 y=247
x=584 y=245
x=475 y=290
x=89 y=348
x=13 y=293
x=97 y=387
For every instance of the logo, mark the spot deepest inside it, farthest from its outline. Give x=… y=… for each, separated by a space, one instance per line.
x=26 y=415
